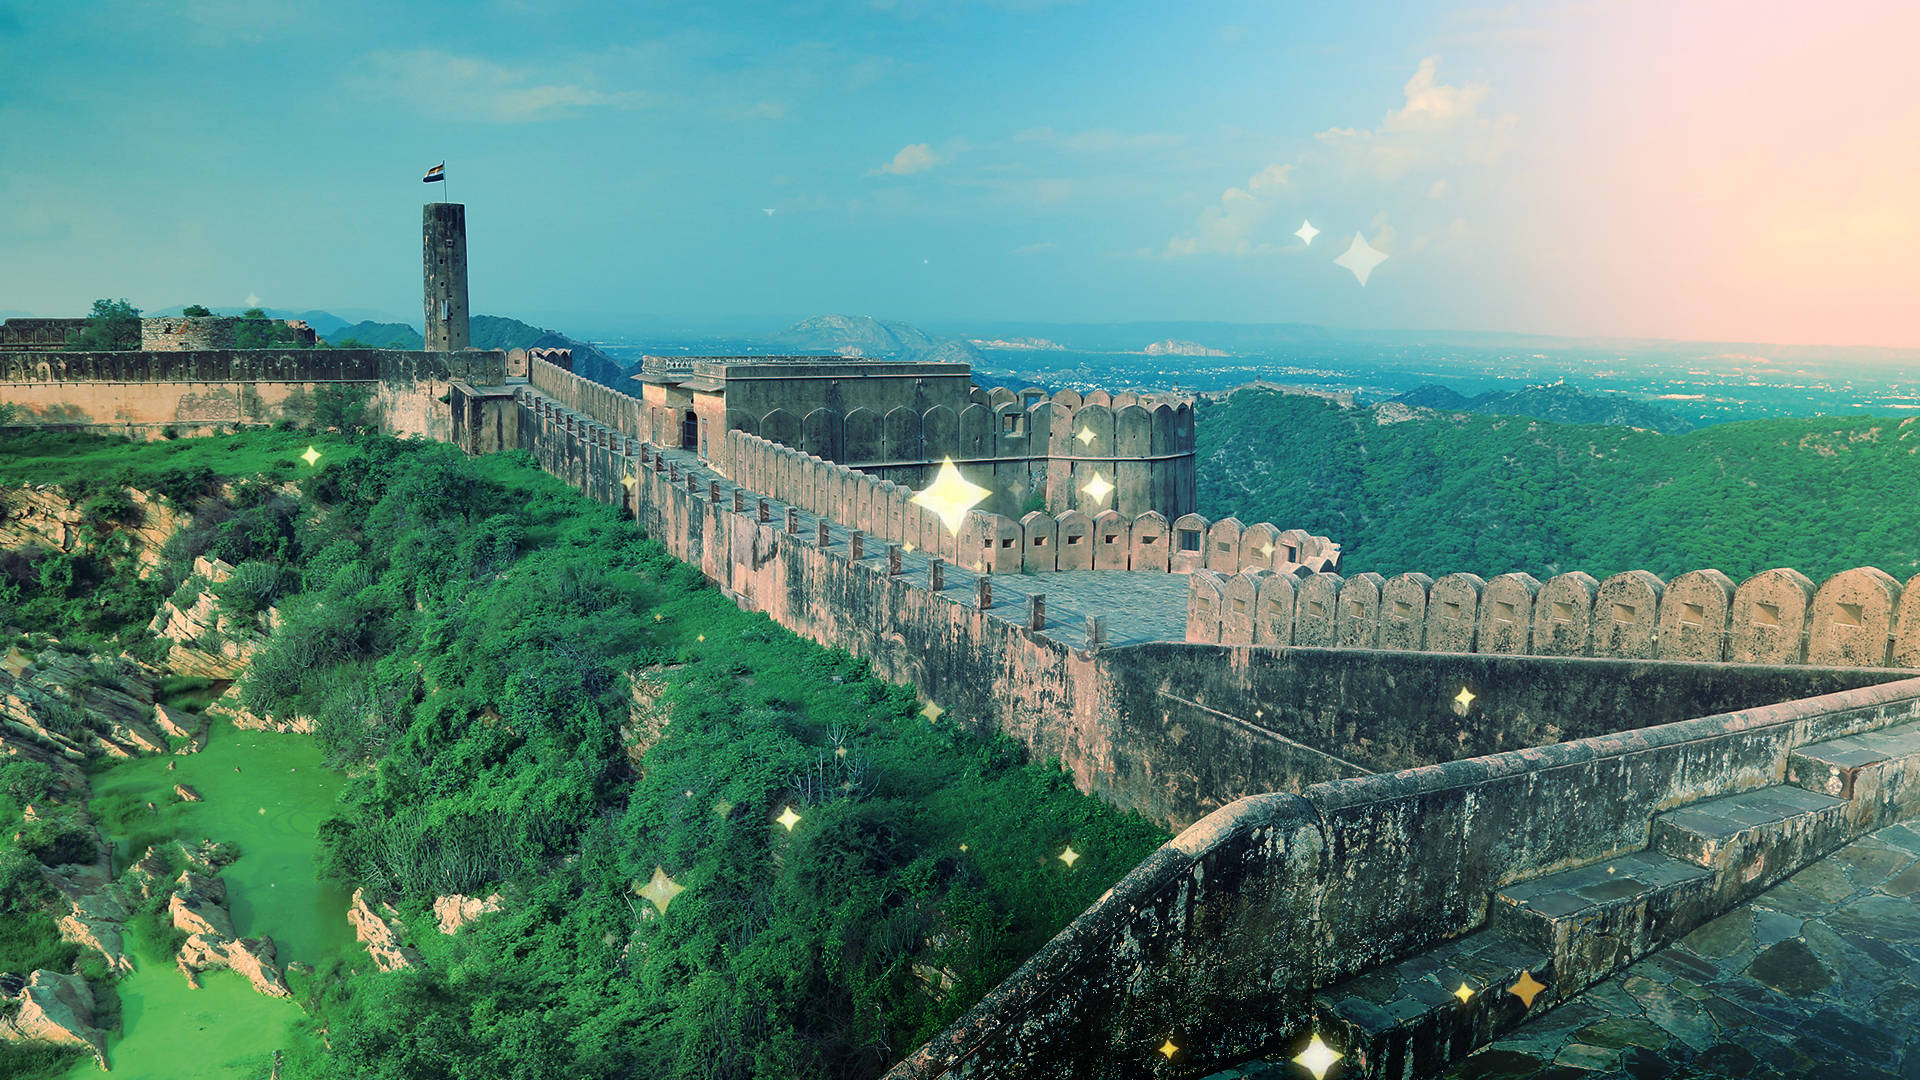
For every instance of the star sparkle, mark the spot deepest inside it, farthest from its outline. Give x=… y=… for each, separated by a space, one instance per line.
x=1317 y=1058
x=1361 y=258
x=932 y=712
x=951 y=495
x=1465 y=993
x=628 y=481
x=1527 y=988
x=1099 y=489
x=1464 y=699
x=1085 y=436
x=788 y=818
x=310 y=456
x=660 y=889
x=1169 y=1049
x=1306 y=232
x=1068 y=856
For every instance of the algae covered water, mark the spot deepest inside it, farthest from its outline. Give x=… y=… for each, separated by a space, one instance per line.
x=267 y=793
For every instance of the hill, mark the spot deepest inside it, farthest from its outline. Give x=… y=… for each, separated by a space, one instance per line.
x=1489 y=494
x=1558 y=402
x=864 y=335
x=492 y=332
x=378 y=335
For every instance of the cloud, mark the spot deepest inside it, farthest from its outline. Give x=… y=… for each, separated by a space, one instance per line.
x=445 y=85
x=1099 y=140
x=1438 y=124
x=1035 y=249
x=912 y=158
x=1228 y=227
x=1438 y=190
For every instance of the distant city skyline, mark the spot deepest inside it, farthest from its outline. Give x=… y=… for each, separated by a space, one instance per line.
x=1696 y=170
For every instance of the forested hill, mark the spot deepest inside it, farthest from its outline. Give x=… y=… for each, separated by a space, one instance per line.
x=491 y=332
x=1488 y=494
x=1557 y=402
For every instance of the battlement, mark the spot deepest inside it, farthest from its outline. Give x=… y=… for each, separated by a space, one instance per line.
x=1856 y=618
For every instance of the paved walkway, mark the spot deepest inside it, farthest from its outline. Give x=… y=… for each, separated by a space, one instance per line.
x=1818 y=976
x=1138 y=606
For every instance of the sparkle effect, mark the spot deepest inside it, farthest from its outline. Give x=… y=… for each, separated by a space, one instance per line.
x=310 y=456
x=1465 y=993
x=1361 y=258
x=1099 y=489
x=950 y=496
x=1306 y=232
x=788 y=818
x=628 y=481
x=1317 y=1058
x=1169 y=1049
x=1464 y=699
x=661 y=889
x=1085 y=436
x=1526 y=989
x=1068 y=856
x=932 y=712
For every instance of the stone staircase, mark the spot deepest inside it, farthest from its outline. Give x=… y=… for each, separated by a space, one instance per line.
x=1568 y=930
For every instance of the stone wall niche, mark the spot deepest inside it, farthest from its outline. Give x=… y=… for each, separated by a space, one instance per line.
x=1189 y=551
x=1149 y=542
x=1769 y=620
x=1259 y=545
x=1223 y=546
x=1112 y=536
x=1240 y=596
x=1693 y=616
x=1403 y=612
x=1316 y=610
x=1205 y=590
x=1357 y=622
x=1851 y=621
x=1563 y=615
x=1038 y=530
x=1626 y=613
x=1506 y=614
x=1273 y=620
x=1453 y=612
x=1073 y=532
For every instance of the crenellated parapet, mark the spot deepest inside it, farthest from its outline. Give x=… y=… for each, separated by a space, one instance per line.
x=1856 y=618
x=1037 y=542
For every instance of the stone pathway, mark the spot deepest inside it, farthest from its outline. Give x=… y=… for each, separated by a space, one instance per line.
x=1139 y=607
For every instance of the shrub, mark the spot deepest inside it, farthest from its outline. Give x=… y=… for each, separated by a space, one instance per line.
x=254 y=586
x=25 y=781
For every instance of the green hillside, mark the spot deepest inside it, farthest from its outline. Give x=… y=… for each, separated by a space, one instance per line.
x=1489 y=494
x=378 y=335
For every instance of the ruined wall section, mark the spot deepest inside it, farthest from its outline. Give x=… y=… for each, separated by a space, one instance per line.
x=1857 y=618
x=149 y=394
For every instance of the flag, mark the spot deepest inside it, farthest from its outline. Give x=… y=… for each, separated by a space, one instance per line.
x=438 y=172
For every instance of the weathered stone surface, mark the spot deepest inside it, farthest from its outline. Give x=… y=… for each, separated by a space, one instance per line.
x=58 y=1009
x=1240 y=595
x=68 y=703
x=1453 y=612
x=1851 y=620
x=252 y=958
x=187 y=793
x=1315 y=610
x=1206 y=594
x=1769 y=620
x=198 y=906
x=1694 y=616
x=1906 y=642
x=1273 y=624
x=1506 y=614
x=379 y=928
x=1403 y=611
x=1357 y=620
x=229 y=708
x=1563 y=615
x=455 y=911
x=96 y=920
x=1626 y=613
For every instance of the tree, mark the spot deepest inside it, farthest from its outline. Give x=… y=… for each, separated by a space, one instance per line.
x=195 y=311
x=113 y=326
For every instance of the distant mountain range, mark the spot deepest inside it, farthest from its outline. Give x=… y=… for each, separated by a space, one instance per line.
x=486 y=332
x=1559 y=403
x=864 y=335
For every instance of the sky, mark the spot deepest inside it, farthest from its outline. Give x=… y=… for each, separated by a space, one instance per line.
x=1691 y=169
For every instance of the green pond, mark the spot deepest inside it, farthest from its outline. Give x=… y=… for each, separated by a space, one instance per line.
x=267 y=793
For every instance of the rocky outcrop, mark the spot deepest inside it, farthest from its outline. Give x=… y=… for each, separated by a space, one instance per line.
x=39 y=515
x=198 y=906
x=180 y=724
x=380 y=929
x=230 y=709
x=188 y=793
x=456 y=911
x=207 y=643
x=97 y=921
x=1174 y=347
x=58 y=1009
x=68 y=704
x=147 y=873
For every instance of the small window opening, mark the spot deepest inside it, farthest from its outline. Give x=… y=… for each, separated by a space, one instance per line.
x=1693 y=615
x=1316 y=609
x=1562 y=611
x=1239 y=607
x=1189 y=540
x=1039 y=541
x=1074 y=539
x=1624 y=613
x=1504 y=612
x=1402 y=610
x=1766 y=614
x=1850 y=615
x=1111 y=538
x=1007 y=542
x=1449 y=611
x=1356 y=609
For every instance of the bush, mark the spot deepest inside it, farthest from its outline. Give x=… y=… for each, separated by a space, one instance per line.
x=254 y=587
x=21 y=890
x=59 y=839
x=111 y=506
x=25 y=781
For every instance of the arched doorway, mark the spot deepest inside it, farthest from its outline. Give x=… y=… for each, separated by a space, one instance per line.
x=689 y=431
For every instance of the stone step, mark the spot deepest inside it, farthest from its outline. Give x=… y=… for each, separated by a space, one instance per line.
x=1594 y=920
x=1878 y=770
x=1408 y=1018
x=1761 y=834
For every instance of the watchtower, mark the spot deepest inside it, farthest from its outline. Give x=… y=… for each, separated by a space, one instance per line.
x=444 y=259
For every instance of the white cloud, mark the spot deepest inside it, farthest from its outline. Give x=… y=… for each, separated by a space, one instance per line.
x=912 y=158
x=1438 y=124
x=446 y=85
x=1035 y=249
x=1229 y=226
x=1438 y=190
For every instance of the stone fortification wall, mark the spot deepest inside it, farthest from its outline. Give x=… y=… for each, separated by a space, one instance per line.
x=183 y=333
x=1039 y=542
x=1856 y=618
x=146 y=394
x=37 y=335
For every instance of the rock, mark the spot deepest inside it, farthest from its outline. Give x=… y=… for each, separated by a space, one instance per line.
x=207 y=643
x=64 y=702
x=455 y=911
x=198 y=907
x=187 y=793
x=251 y=957
x=96 y=921
x=58 y=1009
x=229 y=707
x=178 y=723
x=208 y=856
x=380 y=930
x=146 y=872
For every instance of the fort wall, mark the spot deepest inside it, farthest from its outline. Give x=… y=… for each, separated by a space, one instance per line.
x=150 y=393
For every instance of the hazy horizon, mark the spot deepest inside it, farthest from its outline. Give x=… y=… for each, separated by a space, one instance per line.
x=1628 y=171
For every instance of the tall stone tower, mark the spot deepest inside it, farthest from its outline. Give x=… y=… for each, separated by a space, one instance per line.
x=444 y=230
